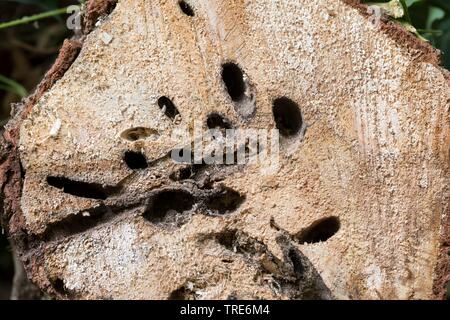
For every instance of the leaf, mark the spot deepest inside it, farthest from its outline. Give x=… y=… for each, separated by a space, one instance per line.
x=10 y=85
x=434 y=14
x=27 y=19
x=411 y=2
x=443 y=4
x=443 y=42
x=419 y=12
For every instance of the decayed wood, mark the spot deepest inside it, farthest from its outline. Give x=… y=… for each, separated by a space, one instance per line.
x=357 y=209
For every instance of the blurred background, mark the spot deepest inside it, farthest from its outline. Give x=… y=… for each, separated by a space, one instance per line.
x=27 y=50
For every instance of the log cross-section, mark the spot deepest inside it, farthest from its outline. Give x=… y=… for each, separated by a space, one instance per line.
x=357 y=208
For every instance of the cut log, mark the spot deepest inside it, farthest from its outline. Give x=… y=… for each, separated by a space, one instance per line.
x=357 y=206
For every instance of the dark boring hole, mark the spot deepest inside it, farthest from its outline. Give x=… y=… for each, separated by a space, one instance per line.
x=111 y=5
x=321 y=230
x=296 y=261
x=135 y=160
x=23 y=172
x=166 y=205
x=178 y=294
x=76 y=223
x=287 y=116
x=80 y=188
x=216 y=121
x=182 y=174
x=233 y=77
x=60 y=287
x=228 y=239
x=225 y=201
x=168 y=107
x=189 y=172
x=186 y=8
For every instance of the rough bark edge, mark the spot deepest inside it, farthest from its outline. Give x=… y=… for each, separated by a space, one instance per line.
x=11 y=173
x=96 y=9
x=403 y=38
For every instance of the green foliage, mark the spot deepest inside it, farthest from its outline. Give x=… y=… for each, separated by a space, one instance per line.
x=45 y=9
x=431 y=19
x=36 y=17
x=12 y=86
